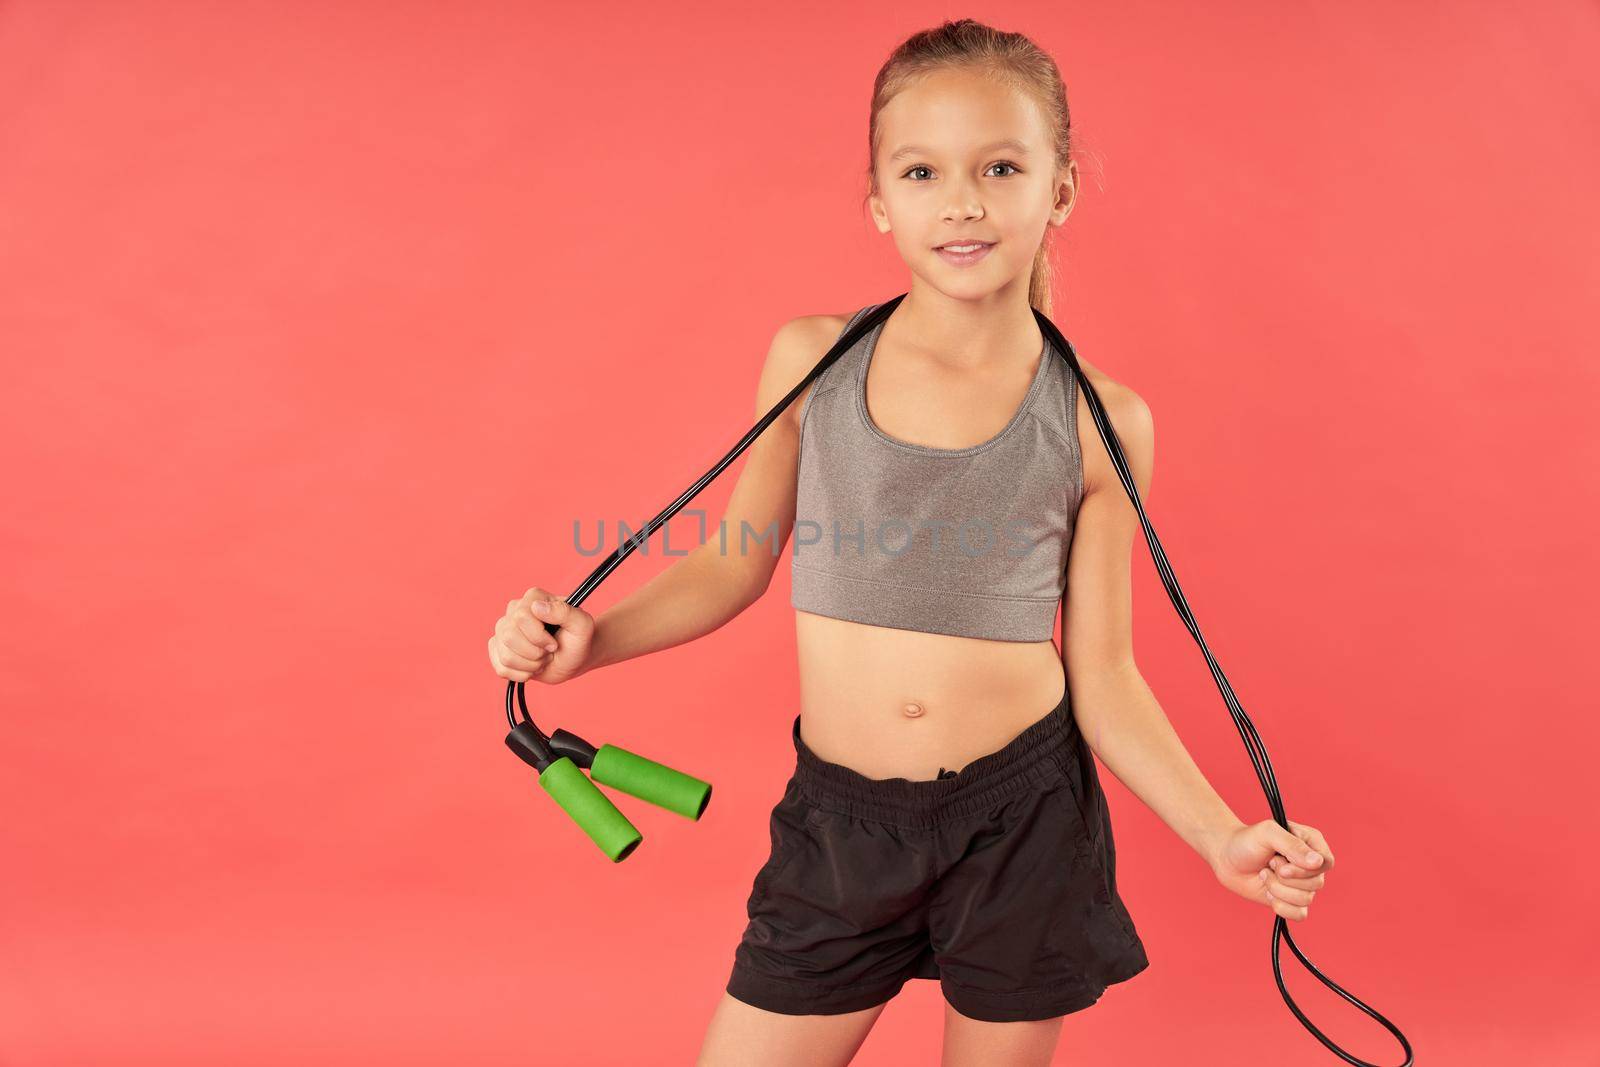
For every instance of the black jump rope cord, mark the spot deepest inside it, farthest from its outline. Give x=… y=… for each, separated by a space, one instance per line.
x=1108 y=434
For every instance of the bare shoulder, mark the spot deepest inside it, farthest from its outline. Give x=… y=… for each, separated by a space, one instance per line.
x=1135 y=426
x=797 y=346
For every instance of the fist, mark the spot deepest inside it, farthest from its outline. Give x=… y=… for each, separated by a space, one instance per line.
x=1276 y=867
x=523 y=650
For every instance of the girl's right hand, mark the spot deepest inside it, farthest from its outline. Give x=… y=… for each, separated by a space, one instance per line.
x=522 y=650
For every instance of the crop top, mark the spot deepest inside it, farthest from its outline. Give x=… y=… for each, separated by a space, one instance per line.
x=970 y=542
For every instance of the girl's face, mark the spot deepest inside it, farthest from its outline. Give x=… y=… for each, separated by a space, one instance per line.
x=962 y=156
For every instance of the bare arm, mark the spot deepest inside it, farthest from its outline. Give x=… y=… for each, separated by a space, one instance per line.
x=710 y=585
x=1120 y=717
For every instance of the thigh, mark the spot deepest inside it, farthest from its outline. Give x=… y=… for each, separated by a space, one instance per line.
x=740 y=1035
x=972 y=1043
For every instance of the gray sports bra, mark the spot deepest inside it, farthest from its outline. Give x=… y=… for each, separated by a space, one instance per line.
x=970 y=542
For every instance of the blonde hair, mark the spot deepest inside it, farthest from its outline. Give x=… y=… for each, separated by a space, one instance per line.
x=1010 y=57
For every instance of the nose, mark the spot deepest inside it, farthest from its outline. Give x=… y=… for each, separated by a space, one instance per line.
x=962 y=204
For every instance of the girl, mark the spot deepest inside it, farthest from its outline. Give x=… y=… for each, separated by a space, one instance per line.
x=945 y=818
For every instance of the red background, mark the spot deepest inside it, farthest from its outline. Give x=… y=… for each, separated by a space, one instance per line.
x=322 y=323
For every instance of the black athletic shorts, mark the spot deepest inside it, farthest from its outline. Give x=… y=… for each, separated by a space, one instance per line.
x=998 y=880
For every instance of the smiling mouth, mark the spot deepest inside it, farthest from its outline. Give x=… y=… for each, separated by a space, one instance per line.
x=966 y=254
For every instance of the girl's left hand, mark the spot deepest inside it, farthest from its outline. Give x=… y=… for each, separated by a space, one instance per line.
x=1269 y=865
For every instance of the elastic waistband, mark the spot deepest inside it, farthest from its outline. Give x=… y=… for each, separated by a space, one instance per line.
x=1042 y=750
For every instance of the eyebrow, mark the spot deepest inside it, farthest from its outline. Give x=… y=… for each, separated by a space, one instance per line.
x=913 y=150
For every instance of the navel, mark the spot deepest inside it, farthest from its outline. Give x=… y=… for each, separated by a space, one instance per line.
x=913 y=710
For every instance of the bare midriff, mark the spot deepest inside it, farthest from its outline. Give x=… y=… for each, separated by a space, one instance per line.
x=894 y=703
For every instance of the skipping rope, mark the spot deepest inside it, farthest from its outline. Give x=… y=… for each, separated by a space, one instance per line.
x=562 y=757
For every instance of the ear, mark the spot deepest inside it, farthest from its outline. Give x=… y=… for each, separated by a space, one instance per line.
x=880 y=214
x=1066 y=194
